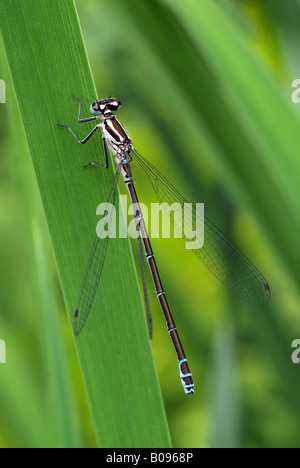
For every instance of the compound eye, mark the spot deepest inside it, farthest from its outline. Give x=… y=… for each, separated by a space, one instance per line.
x=95 y=108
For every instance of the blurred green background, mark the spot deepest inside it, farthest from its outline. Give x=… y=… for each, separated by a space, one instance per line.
x=207 y=98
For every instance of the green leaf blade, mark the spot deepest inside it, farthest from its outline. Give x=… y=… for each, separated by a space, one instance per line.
x=113 y=348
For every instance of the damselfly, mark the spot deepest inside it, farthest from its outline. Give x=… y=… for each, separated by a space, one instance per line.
x=218 y=253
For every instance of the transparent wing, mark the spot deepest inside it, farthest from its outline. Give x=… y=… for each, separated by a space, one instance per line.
x=145 y=288
x=93 y=271
x=219 y=254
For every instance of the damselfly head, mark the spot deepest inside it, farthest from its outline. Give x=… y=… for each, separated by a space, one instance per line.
x=105 y=106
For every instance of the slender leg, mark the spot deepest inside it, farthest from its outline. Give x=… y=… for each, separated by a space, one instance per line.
x=105 y=166
x=78 y=139
x=79 y=112
x=106 y=157
x=89 y=119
